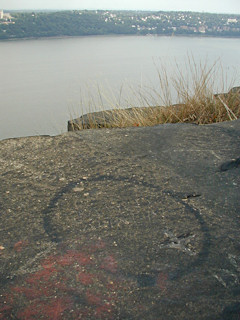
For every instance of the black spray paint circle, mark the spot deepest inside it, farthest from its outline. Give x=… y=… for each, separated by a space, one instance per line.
x=84 y=190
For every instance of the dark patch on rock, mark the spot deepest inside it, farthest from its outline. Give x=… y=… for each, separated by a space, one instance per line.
x=229 y=165
x=231 y=312
x=146 y=280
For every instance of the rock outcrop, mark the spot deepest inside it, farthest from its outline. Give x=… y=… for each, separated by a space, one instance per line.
x=104 y=119
x=134 y=223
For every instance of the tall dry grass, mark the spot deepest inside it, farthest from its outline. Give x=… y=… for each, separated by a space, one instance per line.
x=194 y=88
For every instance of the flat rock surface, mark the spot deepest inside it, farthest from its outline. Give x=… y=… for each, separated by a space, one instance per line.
x=134 y=223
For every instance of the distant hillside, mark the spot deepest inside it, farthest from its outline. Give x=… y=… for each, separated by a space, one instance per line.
x=101 y=22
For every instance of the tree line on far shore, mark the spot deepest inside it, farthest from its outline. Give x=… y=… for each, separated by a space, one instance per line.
x=83 y=23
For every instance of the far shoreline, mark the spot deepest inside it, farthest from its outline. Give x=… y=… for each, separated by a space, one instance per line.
x=120 y=35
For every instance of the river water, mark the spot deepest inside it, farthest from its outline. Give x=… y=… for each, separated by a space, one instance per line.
x=45 y=82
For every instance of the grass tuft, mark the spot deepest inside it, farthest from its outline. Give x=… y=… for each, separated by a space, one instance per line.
x=194 y=92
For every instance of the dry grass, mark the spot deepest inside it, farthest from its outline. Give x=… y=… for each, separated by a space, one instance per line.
x=197 y=102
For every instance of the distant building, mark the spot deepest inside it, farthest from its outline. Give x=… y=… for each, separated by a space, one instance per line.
x=5 y=16
x=232 y=21
x=202 y=29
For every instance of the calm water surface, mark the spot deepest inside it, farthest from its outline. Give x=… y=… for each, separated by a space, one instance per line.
x=43 y=82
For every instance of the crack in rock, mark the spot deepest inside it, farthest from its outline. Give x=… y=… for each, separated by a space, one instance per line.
x=180 y=242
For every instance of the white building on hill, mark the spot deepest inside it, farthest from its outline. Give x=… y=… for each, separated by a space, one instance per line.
x=4 y=15
x=232 y=21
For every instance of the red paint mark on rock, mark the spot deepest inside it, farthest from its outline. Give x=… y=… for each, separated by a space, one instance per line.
x=81 y=314
x=104 y=311
x=42 y=275
x=30 y=312
x=65 y=260
x=162 y=281
x=73 y=256
x=30 y=293
x=92 y=299
x=50 y=262
x=85 y=278
x=54 y=310
x=109 y=264
x=4 y=311
x=83 y=259
x=74 y=282
x=18 y=246
x=100 y=244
